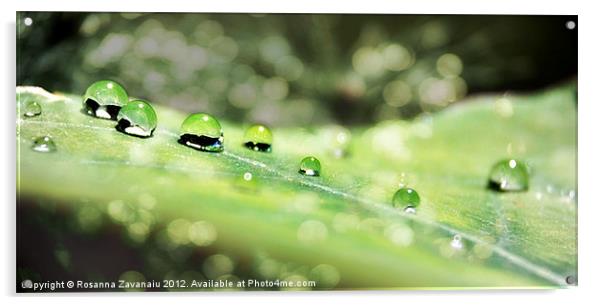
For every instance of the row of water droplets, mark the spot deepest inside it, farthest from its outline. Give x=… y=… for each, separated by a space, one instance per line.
x=107 y=99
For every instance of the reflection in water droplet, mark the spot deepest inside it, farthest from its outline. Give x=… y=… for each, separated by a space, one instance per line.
x=258 y=138
x=310 y=166
x=509 y=176
x=31 y=109
x=410 y=210
x=456 y=242
x=406 y=198
x=137 y=118
x=103 y=99
x=43 y=144
x=202 y=131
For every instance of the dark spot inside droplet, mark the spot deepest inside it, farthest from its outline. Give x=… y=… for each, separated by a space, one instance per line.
x=113 y=110
x=263 y=147
x=494 y=186
x=203 y=143
x=123 y=124
x=91 y=106
x=498 y=187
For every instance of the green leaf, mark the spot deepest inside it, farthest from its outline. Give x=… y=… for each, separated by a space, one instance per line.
x=344 y=218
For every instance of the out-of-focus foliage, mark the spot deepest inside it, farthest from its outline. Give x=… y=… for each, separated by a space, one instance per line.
x=295 y=69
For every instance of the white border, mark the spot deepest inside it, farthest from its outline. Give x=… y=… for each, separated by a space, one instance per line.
x=590 y=99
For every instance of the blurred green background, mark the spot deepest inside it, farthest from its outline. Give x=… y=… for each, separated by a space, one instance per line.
x=294 y=69
x=356 y=91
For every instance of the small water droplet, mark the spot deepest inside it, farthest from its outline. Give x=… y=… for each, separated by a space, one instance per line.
x=247 y=176
x=258 y=138
x=203 y=132
x=407 y=199
x=31 y=109
x=508 y=176
x=310 y=166
x=103 y=99
x=456 y=242
x=571 y=280
x=43 y=144
x=137 y=118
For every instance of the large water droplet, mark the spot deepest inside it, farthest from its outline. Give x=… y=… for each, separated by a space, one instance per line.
x=508 y=176
x=43 y=144
x=258 y=138
x=203 y=132
x=407 y=199
x=31 y=109
x=137 y=118
x=310 y=166
x=104 y=99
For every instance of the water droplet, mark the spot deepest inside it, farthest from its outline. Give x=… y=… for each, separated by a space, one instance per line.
x=203 y=132
x=258 y=138
x=571 y=280
x=508 y=176
x=407 y=199
x=247 y=176
x=103 y=99
x=31 y=109
x=137 y=118
x=43 y=144
x=310 y=166
x=456 y=242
